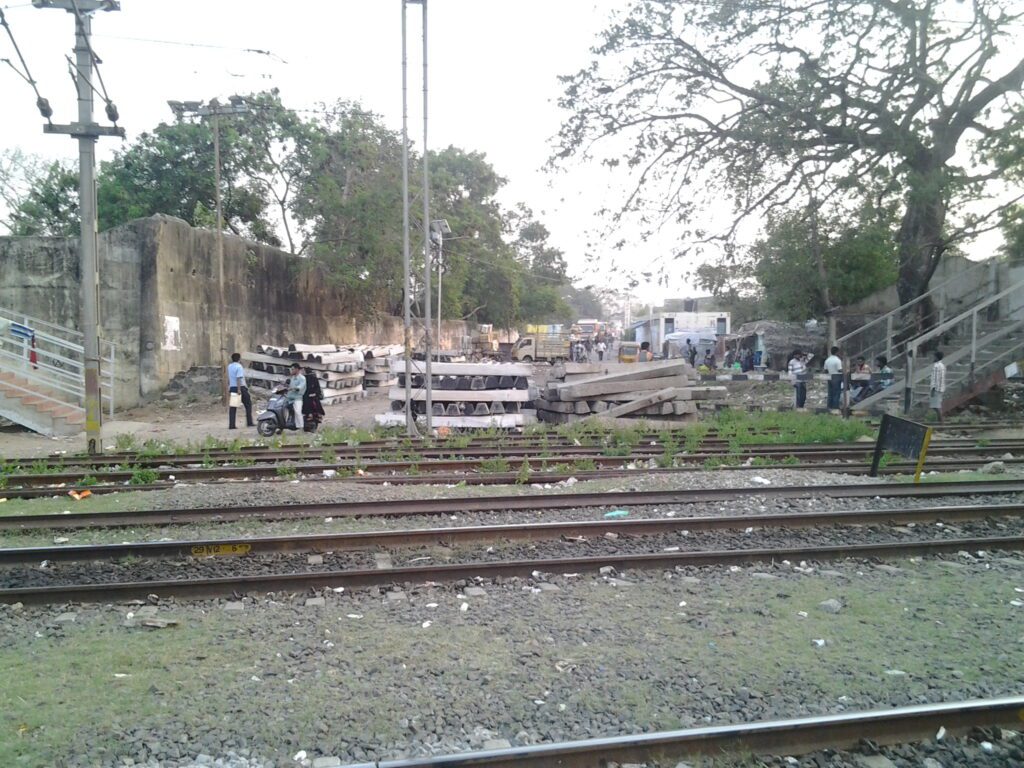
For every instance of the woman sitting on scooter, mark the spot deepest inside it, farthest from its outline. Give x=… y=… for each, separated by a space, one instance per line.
x=312 y=402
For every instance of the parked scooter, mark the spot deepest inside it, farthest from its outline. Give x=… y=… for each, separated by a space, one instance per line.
x=278 y=417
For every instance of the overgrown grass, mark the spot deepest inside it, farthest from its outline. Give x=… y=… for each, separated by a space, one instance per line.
x=286 y=471
x=494 y=466
x=143 y=476
x=743 y=429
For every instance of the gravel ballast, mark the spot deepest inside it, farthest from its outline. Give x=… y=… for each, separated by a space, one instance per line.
x=407 y=670
x=134 y=569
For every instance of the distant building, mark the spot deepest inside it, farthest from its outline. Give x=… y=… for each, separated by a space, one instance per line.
x=661 y=325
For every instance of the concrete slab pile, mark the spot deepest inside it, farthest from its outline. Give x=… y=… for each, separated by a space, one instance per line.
x=614 y=391
x=464 y=395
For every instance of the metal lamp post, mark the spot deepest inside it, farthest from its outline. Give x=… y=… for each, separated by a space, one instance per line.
x=215 y=110
x=440 y=228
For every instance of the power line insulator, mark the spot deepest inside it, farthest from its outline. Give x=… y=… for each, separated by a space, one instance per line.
x=112 y=114
x=44 y=107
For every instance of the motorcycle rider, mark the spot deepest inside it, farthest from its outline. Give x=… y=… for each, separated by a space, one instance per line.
x=296 y=389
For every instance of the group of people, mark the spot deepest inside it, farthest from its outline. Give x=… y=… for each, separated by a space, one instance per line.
x=865 y=381
x=741 y=361
x=302 y=390
x=588 y=350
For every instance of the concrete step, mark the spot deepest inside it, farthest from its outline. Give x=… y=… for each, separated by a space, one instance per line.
x=40 y=409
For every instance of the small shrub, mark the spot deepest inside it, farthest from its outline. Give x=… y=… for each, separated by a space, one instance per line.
x=125 y=442
x=494 y=466
x=144 y=476
x=87 y=481
x=584 y=465
x=523 y=476
x=286 y=471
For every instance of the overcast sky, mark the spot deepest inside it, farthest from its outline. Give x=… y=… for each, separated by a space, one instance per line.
x=493 y=81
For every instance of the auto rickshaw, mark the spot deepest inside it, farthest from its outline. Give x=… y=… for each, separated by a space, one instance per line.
x=629 y=351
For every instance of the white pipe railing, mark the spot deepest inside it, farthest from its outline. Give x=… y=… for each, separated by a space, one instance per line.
x=939 y=291
x=60 y=359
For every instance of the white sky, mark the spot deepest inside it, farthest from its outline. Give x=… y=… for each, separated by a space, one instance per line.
x=493 y=82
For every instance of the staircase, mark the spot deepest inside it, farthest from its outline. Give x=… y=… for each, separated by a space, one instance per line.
x=978 y=344
x=42 y=384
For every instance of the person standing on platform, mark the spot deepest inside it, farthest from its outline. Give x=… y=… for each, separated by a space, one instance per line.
x=797 y=368
x=834 y=368
x=296 y=389
x=938 y=387
x=237 y=386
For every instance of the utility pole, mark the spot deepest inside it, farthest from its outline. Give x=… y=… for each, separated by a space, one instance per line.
x=427 y=371
x=410 y=421
x=427 y=374
x=86 y=131
x=440 y=227
x=215 y=110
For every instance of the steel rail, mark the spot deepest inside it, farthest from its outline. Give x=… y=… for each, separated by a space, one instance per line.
x=798 y=736
x=818 y=450
x=706 y=448
x=74 y=479
x=489 y=478
x=442 y=506
x=362 y=540
x=300 y=582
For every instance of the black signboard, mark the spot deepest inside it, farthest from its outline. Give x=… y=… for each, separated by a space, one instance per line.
x=902 y=436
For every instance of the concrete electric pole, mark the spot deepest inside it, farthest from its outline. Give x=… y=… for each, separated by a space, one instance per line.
x=86 y=131
x=216 y=110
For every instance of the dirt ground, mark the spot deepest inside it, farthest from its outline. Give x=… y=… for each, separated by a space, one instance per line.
x=181 y=423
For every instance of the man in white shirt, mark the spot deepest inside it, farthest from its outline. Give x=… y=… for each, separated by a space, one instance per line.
x=601 y=347
x=938 y=387
x=798 y=368
x=237 y=384
x=834 y=368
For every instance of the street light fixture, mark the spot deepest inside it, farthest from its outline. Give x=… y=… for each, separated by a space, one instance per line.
x=215 y=110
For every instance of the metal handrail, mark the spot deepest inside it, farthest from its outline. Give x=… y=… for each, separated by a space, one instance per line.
x=954 y=321
x=903 y=307
x=59 y=357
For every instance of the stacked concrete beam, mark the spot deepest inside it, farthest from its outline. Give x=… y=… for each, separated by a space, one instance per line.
x=464 y=395
x=340 y=372
x=610 y=391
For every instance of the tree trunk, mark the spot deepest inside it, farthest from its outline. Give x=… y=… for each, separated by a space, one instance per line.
x=819 y=259
x=920 y=244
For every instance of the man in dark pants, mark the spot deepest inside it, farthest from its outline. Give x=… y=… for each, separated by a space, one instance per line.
x=834 y=368
x=236 y=384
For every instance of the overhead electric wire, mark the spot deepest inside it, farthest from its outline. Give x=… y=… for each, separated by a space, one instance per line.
x=43 y=105
x=185 y=44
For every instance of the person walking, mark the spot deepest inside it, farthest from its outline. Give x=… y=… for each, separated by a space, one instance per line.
x=938 y=387
x=797 y=368
x=601 y=347
x=238 y=386
x=833 y=366
x=296 y=389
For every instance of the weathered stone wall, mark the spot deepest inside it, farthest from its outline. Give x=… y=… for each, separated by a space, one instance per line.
x=159 y=299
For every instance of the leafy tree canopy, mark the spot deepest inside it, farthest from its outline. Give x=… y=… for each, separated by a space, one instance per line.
x=333 y=186
x=758 y=103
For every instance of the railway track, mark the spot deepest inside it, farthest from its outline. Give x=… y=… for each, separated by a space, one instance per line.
x=439 y=506
x=649 y=444
x=795 y=456
x=801 y=736
x=332 y=542
x=350 y=578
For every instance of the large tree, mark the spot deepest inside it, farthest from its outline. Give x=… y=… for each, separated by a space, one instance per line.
x=761 y=101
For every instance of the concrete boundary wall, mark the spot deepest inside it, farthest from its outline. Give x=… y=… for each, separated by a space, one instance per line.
x=159 y=299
